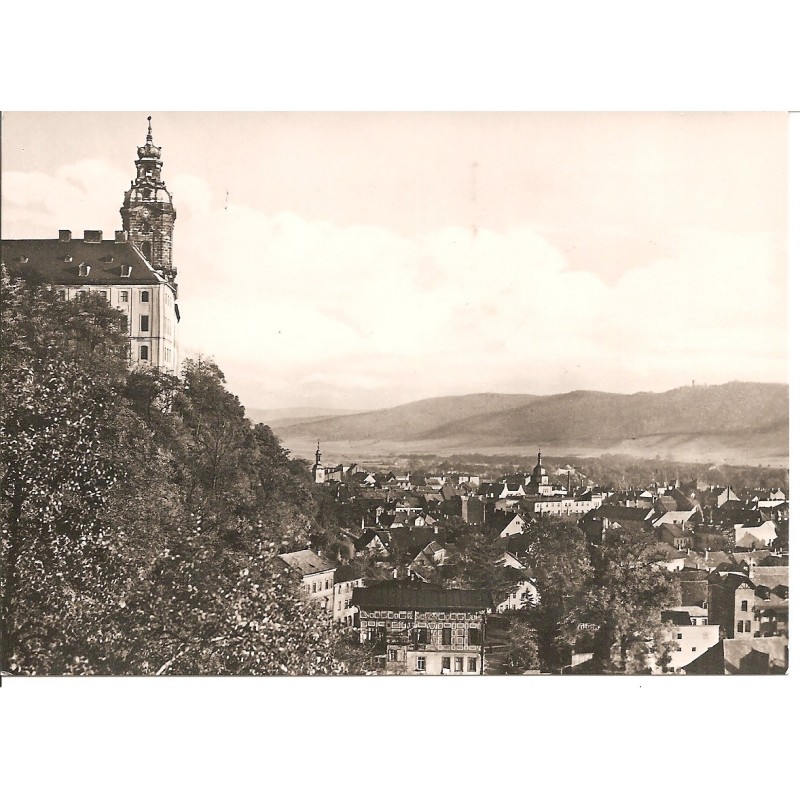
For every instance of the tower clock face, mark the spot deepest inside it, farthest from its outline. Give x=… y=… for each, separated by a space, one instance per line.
x=146 y=213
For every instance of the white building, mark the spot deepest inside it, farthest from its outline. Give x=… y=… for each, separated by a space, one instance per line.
x=133 y=271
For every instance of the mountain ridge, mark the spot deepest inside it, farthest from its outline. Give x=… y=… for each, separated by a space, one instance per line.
x=745 y=417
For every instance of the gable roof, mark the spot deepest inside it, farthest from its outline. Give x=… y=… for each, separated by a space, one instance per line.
x=306 y=562
x=417 y=596
x=46 y=264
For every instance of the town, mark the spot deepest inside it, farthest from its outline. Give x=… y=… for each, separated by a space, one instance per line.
x=401 y=573
x=151 y=528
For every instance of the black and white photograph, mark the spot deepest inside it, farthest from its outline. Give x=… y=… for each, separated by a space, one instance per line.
x=348 y=349
x=432 y=394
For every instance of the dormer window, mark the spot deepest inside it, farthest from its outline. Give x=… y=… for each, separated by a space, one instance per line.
x=67 y=258
x=125 y=271
x=23 y=259
x=84 y=269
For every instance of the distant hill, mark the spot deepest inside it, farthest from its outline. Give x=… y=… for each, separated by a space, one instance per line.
x=289 y=416
x=735 y=422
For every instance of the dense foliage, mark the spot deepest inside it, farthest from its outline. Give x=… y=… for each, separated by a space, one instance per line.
x=602 y=595
x=141 y=513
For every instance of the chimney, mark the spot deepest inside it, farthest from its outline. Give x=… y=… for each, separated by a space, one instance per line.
x=93 y=237
x=120 y=237
x=65 y=236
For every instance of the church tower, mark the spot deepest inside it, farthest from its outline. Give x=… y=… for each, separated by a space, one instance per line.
x=540 y=479
x=318 y=471
x=148 y=216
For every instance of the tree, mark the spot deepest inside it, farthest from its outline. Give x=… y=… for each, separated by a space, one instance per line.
x=475 y=562
x=523 y=652
x=64 y=442
x=558 y=560
x=140 y=515
x=628 y=591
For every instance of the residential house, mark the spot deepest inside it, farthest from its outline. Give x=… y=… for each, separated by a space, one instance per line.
x=345 y=579
x=317 y=574
x=375 y=541
x=691 y=634
x=420 y=629
x=512 y=527
x=431 y=556
x=683 y=519
x=674 y=535
x=731 y=604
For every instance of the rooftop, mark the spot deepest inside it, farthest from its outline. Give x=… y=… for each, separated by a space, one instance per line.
x=418 y=596
x=52 y=261
x=306 y=562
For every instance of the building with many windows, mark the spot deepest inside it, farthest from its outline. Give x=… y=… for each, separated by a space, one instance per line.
x=133 y=271
x=316 y=576
x=420 y=629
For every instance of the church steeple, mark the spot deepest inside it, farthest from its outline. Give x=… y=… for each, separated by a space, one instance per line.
x=148 y=215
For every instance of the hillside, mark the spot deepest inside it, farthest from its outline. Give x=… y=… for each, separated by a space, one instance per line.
x=734 y=422
x=281 y=417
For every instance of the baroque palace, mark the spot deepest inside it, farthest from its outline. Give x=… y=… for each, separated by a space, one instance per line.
x=133 y=271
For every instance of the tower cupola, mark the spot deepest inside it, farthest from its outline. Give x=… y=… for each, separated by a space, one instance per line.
x=148 y=215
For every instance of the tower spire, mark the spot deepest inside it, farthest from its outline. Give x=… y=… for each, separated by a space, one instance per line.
x=147 y=212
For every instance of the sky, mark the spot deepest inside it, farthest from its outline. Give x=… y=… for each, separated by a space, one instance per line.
x=364 y=260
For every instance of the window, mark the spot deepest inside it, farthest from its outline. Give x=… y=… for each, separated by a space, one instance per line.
x=447 y=636
x=747 y=626
x=740 y=626
x=144 y=353
x=679 y=636
x=459 y=664
x=475 y=636
x=314 y=586
x=694 y=621
x=445 y=663
x=694 y=649
x=62 y=294
x=123 y=296
x=339 y=606
x=420 y=663
x=391 y=655
x=327 y=584
x=421 y=636
x=744 y=605
x=125 y=272
x=472 y=665
x=145 y=297
x=144 y=323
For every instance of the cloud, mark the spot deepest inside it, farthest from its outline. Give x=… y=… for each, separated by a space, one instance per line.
x=300 y=311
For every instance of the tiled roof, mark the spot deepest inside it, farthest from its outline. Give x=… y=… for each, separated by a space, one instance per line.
x=45 y=262
x=346 y=572
x=307 y=562
x=417 y=596
x=619 y=512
